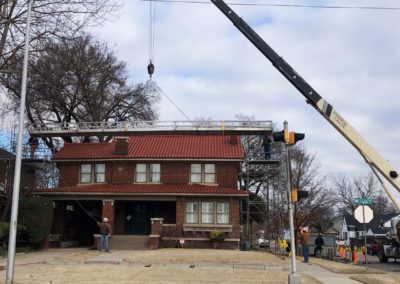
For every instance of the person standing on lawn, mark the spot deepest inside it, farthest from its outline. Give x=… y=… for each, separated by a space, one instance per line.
x=319 y=242
x=105 y=233
x=304 y=240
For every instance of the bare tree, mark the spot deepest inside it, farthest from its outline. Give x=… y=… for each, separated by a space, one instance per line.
x=50 y=19
x=365 y=187
x=315 y=210
x=81 y=80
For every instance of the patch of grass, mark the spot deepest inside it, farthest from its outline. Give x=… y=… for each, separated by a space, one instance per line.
x=18 y=249
x=344 y=268
x=376 y=279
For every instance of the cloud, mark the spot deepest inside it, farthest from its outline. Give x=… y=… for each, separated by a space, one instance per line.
x=210 y=69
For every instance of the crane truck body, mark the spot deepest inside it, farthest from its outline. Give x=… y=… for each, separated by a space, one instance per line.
x=370 y=155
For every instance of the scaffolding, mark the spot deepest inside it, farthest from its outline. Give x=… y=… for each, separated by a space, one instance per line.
x=109 y=128
x=258 y=207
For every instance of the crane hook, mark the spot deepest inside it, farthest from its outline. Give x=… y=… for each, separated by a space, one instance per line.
x=150 y=69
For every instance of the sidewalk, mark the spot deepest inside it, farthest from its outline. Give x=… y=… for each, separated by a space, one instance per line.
x=324 y=275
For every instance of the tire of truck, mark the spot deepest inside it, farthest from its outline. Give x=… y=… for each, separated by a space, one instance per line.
x=381 y=255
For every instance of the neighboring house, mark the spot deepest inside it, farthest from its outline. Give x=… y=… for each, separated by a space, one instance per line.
x=6 y=164
x=336 y=227
x=351 y=229
x=28 y=177
x=381 y=224
x=171 y=189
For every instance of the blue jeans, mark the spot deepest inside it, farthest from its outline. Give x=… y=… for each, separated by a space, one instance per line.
x=305 y=252
x=103 y=238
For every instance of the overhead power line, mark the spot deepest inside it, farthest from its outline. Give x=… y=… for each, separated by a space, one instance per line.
x=284 y=5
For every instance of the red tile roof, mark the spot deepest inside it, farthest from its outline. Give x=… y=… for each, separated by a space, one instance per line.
x=145 y=189
x=158 y=147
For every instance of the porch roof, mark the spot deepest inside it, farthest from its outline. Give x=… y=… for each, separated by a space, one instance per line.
x=144 y=189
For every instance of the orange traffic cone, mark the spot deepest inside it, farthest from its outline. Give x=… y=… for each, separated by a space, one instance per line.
x=355 y=256
x=342 y=252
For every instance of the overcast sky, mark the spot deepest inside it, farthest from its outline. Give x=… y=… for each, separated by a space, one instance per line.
x=210 y=70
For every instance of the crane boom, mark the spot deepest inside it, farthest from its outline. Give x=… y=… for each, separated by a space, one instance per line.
x=371 y=156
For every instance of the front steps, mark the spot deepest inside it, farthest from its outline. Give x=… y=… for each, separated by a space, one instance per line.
x=129 y=242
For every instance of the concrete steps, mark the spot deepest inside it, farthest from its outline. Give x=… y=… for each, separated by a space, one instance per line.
x=129 y=242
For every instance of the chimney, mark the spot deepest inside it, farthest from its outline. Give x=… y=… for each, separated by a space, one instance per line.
x=233 y=140
x=121 y=145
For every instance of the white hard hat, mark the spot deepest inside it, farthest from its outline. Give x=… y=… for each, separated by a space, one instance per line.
x=105 y=219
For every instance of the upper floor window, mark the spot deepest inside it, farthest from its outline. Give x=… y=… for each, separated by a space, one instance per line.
x=148 y=173
x=93 y=173
x=202 y=173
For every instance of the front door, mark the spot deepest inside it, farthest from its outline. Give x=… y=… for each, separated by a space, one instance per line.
x=137 y=220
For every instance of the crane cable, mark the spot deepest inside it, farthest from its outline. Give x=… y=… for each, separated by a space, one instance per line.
x=152 y=20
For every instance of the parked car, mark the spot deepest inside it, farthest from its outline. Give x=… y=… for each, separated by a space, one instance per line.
x=372 y=244
x=372 y=248
x=262 y=243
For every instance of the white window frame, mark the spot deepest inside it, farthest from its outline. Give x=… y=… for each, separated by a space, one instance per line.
x=223 y=212
x=207 y=212
x=96 y=173
x=203 y=173
x=149 y=173
x=192 y=213
x=216 y=214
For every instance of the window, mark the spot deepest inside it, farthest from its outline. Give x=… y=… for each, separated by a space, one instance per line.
x=208 y=213
x=222 y=213
x=150 y=173
x=192 y=213
x=86 y=173
x=100 y=172
x=202 y=173
x=93 y=173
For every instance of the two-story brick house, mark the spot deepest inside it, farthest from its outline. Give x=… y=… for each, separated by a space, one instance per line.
x=168 y=188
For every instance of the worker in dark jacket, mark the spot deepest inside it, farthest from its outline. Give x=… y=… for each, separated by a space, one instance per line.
x=319 y=242
x=105 y=232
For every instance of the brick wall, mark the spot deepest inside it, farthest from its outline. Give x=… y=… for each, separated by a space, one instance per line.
x=175 y=172
x=122 y=172
x=180 y=215
x=171 y=173
x=69 y=173
x=235 y=218
x=108 y=211
x=227 y=174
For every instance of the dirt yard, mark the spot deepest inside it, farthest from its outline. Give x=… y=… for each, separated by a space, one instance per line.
x=167 y=266
x=175 y=266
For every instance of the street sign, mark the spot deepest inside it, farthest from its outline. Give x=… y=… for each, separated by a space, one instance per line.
x=361 y=201
x=363 y=214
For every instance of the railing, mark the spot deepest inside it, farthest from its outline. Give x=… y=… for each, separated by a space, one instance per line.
x=140 y=127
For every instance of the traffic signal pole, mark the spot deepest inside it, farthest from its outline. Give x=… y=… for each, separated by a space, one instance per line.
x=294 y=277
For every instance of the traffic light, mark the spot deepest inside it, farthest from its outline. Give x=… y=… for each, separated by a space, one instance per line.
x=281 y=136
x=297 y=195
x=294 y=195
x=294 y=137
x=290 y=138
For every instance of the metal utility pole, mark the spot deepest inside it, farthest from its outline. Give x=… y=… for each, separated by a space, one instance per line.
x=17 y=172
x=294 y=277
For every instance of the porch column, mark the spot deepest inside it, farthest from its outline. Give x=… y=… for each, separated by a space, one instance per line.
x=156 y=233
x=108 y=212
